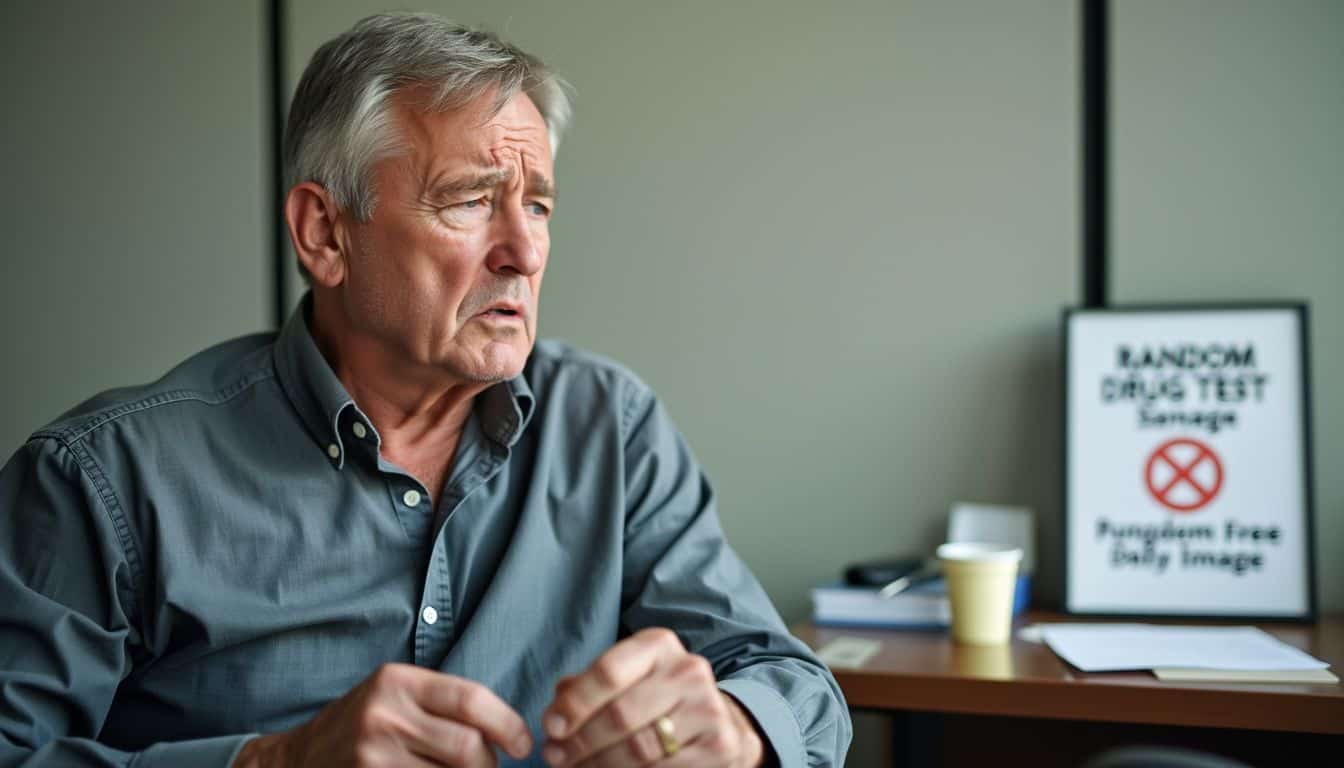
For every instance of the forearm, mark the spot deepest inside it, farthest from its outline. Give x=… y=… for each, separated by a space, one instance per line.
x=63 y=624
x=69 y=752
x=681 y=574
x=797 y=708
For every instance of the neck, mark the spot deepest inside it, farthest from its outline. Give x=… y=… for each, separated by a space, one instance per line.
x=419 y=413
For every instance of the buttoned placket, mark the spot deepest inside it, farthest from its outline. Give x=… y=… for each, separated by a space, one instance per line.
x=437 y=628
x=409 y=501
x=410 y=505
x=435 y=625
x=435 y=620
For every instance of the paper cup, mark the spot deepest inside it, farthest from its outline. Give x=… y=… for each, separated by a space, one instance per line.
x=993 y=662
x=981 y=581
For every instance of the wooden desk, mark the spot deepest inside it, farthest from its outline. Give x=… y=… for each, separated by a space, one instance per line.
x=924 y=672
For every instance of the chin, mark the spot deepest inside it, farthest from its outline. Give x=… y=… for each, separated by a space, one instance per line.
x=499 y=361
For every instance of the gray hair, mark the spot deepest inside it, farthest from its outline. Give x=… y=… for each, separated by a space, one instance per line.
x=339 y=122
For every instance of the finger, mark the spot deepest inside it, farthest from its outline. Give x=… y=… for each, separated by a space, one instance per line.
x=640 y=748
x=694 y=756
x=710 y=749
x=415 y=760
x=701 y=709
x=693 y=722
x=624 y=664
x=445 y=742
x=625 y=716
x=472 y=704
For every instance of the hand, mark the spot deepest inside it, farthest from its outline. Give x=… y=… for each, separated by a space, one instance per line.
x=605 y=716
x=402 y=715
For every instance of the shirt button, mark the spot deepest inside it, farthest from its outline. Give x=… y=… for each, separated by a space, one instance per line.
x=429 y=614
x=334 y=451
x=412 y=498
x=359 y=430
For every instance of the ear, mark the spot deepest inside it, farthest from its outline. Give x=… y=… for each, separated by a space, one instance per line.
x=316 y=231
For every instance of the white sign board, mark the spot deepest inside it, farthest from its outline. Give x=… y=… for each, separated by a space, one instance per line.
x=1187 y=462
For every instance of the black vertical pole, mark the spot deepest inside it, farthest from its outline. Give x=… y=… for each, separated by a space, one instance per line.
x=1095 y=49
x=274 y=201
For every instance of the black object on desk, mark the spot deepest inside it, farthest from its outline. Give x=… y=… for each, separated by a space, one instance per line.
x=881 y=572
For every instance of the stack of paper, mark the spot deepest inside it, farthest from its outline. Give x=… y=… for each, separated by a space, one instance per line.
x=924 y=605
x=1243 y=654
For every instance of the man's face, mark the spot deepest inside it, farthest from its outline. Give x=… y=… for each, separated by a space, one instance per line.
x=447 y=272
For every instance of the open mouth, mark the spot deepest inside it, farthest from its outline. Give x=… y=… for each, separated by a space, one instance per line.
x=501 y=314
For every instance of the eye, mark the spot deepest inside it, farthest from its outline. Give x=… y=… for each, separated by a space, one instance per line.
x=538 y=209
x=467 y=212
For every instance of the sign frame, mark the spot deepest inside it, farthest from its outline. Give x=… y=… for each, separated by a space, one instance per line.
x=1306 y=558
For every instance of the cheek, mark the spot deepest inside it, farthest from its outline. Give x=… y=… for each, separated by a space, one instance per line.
x=541 y=235
x=444 y=265
x=534 y=281
x=417 y=281
x=542 y=242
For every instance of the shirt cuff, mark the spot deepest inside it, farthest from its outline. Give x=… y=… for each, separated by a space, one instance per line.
x=217 y=752
x=774 y=716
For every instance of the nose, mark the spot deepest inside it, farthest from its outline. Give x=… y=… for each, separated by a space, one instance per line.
x=515 y=245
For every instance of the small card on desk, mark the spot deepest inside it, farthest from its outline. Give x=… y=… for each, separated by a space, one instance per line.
x=848 y=651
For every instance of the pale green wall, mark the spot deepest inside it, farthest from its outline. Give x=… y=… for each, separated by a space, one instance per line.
x=131 y=148
x=1229 y=184
x=835 y=238
x=836 y=242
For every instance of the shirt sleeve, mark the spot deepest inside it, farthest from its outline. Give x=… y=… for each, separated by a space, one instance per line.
x=680 y=573
x=68 y=593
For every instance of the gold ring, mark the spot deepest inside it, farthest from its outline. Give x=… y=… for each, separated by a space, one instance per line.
x=667 y=733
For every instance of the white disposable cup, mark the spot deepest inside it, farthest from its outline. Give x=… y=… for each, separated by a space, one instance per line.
x=981 y=582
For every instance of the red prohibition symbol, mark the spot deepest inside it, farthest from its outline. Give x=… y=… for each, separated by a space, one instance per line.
x=1183 y=473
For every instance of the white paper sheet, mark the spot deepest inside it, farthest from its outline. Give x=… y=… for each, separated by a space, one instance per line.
x=1115 y=647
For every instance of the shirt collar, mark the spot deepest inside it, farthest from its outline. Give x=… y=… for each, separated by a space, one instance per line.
x=505 y=409
x=320 y=399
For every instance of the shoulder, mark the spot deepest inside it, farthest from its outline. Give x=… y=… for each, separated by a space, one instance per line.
x=558 y=371
x=210 y=377
x=558 y=362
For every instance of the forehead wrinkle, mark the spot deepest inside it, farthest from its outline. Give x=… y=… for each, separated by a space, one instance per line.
x=484 y=153
x=472 y=180
x=520 y=146
x=513 y=153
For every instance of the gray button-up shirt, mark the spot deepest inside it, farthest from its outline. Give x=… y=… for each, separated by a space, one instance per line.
x=224 y=551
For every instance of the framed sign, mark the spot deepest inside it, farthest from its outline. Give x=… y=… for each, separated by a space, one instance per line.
x=1187 y=462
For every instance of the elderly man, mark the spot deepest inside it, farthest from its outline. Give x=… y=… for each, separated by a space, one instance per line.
x=398 y=532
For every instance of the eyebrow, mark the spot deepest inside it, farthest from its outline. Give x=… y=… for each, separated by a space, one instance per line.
x=537 y=184
x=540 y=185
